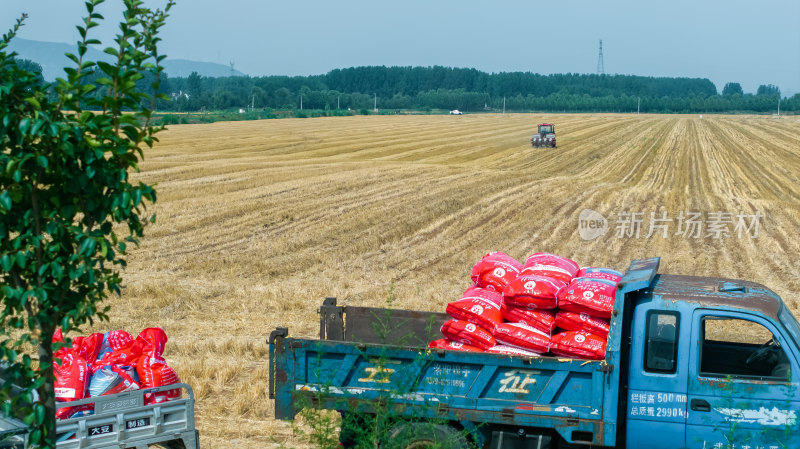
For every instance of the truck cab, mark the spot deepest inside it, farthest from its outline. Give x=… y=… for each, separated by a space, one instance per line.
x=691 y=362
x=713 y=363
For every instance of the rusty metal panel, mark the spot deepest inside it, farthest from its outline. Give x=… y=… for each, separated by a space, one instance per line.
x=280 y=376
x=409 y=328
x=331 y=321
x=718 y=292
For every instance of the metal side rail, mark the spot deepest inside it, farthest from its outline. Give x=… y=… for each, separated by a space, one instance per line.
x=124 y=421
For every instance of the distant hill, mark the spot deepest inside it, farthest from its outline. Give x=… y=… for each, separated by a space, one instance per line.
x=50 y=55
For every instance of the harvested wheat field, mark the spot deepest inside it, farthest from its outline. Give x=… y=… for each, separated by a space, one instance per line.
x=259 y=221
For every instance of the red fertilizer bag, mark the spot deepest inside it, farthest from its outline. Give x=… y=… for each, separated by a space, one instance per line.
x=522 y=336
x=550 y=265
x=444 y=343
x=594 y=297
x=511 y=350
x=121 y=343
x=600 y=273
x=72 y=376
x=154 y=372
x=152 y=341
x=533 y=292
x=572 y=321
x=578 y=345
x=479 y=306
x=116 y=359
x=495 y=271
x=543 y=320
x=88 y=347
x=469 y=333
x=152 y=368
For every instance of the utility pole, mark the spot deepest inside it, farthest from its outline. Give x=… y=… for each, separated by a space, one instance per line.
x=253 y=103
x=337 y=102
x=779 y=106
x=375 y=107
x=504 y=105
x=638 y=102
x=301 y=102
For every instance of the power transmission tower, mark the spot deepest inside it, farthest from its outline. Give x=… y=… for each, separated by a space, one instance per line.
x=231 y=64
x=601 y=70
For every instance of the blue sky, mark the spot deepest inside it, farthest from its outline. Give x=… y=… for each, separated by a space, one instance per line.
x=733 y=40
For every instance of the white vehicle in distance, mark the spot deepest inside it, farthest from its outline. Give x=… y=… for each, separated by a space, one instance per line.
x=456 y=112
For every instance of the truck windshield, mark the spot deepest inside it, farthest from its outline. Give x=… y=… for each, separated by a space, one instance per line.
x=545 y=129
x=790 y=323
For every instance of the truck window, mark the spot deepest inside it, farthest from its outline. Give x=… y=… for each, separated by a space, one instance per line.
x=661 y=350
x=738 y=347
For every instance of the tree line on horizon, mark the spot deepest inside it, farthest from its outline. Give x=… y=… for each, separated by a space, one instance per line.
x=427 y=88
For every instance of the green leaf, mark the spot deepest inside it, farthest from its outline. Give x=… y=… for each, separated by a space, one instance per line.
x=7 y=264
x=56 y=270
x=34 y=102
x=41 y=161
x=24 y=124
x=39 y=411
x=21 y=259
x=5 y=200
x=35 y=436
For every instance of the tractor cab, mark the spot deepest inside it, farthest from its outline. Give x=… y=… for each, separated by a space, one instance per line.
x=545 y=137
x=546 y=128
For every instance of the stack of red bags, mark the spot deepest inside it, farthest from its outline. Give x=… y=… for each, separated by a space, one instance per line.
x=548 y=304
x=110 y=363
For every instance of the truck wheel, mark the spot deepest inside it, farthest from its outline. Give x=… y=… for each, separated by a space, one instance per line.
x=424 y=435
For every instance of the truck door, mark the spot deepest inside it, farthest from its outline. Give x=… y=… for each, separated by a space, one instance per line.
x=743 y=383
x=656 y=395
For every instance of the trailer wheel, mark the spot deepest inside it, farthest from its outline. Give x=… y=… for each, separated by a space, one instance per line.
x=424 y=435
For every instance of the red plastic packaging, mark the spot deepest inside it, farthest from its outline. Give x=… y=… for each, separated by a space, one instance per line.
x=533 y=292
x=469 y=333
x=544 y=320
x=572 y=321
x=522 y=336
x=152 y=341
x=88 y=347
x=595 y=297
x=600 y=273
x=550 y=265
x=154 y=372
x=444 y=343
x=578 y=344
x=511 y=350
x=495 y=270
x=152 y=368
x=71 y=379
x=118 y=348
x=479 y=306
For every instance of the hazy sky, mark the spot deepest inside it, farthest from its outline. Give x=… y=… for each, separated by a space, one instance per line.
x=724 y=40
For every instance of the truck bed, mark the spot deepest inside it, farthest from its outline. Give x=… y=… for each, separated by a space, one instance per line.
x=120 y=420
x=367 y=356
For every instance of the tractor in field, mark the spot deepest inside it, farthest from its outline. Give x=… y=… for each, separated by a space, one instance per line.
x=545 y=137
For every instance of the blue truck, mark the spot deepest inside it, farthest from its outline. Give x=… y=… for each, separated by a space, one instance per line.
x=692 y=362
